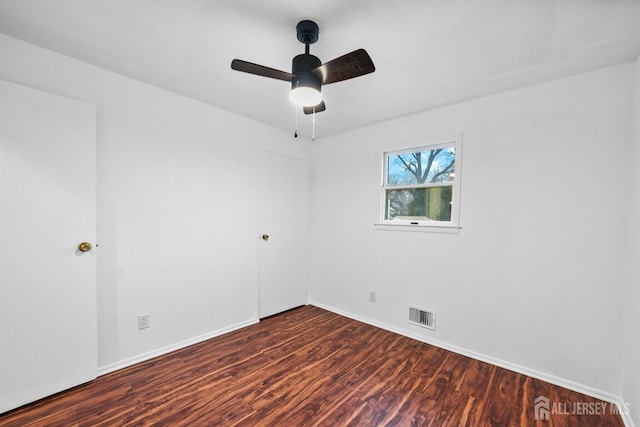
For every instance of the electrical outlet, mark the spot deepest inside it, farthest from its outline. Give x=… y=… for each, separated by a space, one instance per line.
x=372 y=296
x=143 y=321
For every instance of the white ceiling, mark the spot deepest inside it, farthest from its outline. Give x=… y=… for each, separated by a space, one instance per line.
x=427 y=53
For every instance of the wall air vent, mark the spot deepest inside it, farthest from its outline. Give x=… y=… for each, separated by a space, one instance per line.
x=422 y=317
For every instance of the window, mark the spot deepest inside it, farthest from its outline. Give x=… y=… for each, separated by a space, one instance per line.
x=421 y=185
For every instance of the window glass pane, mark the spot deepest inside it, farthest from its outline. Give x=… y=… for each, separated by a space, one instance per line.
x=421 y=167
x=419 y=204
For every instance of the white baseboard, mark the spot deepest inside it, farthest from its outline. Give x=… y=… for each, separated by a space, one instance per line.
x=103 y=370
x=562 y=382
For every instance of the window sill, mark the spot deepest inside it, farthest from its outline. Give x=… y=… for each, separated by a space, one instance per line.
x=420 y=228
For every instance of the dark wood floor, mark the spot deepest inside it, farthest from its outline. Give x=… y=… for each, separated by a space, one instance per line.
x=309 y=367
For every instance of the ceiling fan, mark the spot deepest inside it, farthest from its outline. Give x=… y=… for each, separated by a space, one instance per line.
x=308 y=74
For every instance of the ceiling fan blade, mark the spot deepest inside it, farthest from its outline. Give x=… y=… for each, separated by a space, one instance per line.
x=260 y=70
x=354 y=64
x=320 y=107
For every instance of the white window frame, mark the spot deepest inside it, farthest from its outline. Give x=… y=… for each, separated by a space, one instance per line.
x=452 y=226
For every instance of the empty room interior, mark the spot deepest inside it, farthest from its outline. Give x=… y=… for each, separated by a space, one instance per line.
x=320 y=213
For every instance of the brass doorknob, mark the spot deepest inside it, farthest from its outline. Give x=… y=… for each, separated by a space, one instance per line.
x=84 y=247
x=265 y=237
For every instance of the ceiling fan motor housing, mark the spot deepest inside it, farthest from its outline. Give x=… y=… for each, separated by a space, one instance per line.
x=301 y=69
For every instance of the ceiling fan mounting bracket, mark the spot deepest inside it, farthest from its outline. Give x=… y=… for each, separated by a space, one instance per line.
x=307 y=32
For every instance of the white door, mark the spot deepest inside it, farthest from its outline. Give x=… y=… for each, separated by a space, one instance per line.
x=48 y=327
x=284 y=228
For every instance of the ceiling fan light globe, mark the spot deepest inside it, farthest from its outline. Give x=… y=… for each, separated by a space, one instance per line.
x=305 y=96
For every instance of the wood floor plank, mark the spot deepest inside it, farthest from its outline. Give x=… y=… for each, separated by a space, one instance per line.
x=310 y=367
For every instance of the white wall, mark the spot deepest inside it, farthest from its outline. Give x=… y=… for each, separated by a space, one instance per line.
x=535 y=277
x=630 y=373
x=177 y=204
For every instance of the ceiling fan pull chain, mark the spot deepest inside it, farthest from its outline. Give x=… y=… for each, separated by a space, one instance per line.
x=313 y=133
x=295 y=132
